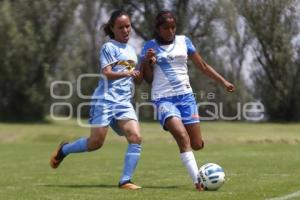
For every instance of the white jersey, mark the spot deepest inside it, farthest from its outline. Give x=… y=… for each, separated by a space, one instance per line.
x=170 y=75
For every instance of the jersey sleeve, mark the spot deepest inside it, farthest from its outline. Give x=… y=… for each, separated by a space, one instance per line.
x=190 y=47
x=147 y=45
x=107 y=56
x=143 y=52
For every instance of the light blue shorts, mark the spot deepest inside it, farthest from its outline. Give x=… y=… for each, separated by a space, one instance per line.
x=181 y=106
x=104 y=113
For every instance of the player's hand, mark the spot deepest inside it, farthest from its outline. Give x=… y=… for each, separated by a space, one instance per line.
x=134 y=73
x=229 y=86
x=150 y=56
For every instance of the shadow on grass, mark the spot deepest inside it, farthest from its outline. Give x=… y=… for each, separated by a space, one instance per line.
x=80 y=186
x=109 y=186
x=162 y=187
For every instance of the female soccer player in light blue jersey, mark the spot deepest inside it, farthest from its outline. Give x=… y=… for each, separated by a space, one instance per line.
x=111 y=104
x=164 y=63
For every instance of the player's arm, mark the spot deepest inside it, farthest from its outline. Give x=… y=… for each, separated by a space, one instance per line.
x=147 y=65
x=147 y=71
x=209 y=71
x=111 y=75
x=108 y=60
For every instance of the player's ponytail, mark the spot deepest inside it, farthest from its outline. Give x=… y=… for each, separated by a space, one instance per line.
x=107 y=30
x=107 y=26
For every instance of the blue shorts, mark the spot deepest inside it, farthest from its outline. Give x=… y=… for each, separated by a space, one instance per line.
x=104 y=113
x=181 y=106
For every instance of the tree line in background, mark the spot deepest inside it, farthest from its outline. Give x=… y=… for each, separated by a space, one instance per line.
x=253 y=43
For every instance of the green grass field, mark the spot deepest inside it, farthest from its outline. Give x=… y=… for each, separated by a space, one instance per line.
x=261 y=161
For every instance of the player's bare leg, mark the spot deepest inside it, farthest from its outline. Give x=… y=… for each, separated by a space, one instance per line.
x=179 y=132
x=194 y=133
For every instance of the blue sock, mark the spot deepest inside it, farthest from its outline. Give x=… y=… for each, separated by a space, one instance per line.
x=132 y=157
x=77 y=146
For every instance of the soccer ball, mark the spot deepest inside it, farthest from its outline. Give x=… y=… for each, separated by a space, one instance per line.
x=212 y=176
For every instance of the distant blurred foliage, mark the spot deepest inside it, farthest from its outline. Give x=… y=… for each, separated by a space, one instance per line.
x=274 y=26
x=253 y=43
x=30 y=47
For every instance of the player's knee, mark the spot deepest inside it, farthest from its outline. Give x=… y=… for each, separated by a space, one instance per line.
x=134 y=138
x=95 y=143
x=198 y=146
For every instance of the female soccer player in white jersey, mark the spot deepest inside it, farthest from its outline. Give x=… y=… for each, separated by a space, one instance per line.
x=111 y=104
x=164 y=63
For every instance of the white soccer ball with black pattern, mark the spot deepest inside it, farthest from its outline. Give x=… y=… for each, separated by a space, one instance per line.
x=212 y=176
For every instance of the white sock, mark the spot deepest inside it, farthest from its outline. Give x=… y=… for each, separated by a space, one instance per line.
x=190 y=163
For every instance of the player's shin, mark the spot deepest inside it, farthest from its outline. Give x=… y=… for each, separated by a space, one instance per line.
x=77 y=146
x=132 y=157
x=190 y=163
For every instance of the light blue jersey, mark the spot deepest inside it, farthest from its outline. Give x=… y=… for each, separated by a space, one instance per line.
x=170 y=75
x=122 y=57
x=111 y=100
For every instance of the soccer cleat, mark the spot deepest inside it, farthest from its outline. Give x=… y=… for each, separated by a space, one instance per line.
x=57 y=156
x=199 y=187
x=128 y=185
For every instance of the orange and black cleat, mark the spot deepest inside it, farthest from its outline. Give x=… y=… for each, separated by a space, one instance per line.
x=128 y=185
x=57 y=156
